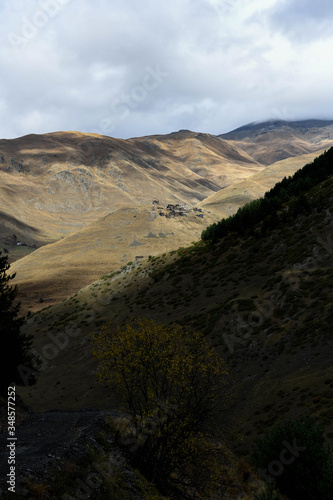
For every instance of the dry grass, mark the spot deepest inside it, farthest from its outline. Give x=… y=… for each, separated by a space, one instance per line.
x=58 y=270
x=279 y=368
x=269 y=144
x=227 y=201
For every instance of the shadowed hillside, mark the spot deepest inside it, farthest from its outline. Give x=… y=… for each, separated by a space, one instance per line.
x=263 y=298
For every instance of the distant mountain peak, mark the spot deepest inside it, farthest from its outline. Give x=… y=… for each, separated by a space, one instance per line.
x=275 y=123
x=274 y=140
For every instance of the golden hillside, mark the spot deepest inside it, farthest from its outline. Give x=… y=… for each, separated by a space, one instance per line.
x=70 y=194
x=55 y=271
x=74 y=206
x=61 y=181
x=276 y=140
x=227 y=201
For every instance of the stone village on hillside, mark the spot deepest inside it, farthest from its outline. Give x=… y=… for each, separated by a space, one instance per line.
x=176 y=210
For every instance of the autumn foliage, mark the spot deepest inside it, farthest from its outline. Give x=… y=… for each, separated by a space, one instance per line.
x=171 y=382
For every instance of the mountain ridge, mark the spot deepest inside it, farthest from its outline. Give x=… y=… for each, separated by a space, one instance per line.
x=261 y=294
x=59 y=184
x=276 y=140
x=263 y=299
x=133 y=171
x=277 y=123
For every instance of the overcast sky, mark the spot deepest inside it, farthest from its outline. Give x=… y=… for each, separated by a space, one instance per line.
x=129 y=68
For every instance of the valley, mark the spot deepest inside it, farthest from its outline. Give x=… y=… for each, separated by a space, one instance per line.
x=111 y=230
x=64 y=197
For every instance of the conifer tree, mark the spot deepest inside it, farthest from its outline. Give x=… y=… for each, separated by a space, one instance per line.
x=14 y=345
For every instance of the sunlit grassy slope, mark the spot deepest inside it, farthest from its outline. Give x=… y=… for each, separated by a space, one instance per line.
x=56 y=271
x=81 y=203
x=227 y=201
x=54 y=184
x=264 y=300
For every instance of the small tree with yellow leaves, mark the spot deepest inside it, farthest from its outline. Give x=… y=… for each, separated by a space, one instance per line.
x=171 y=382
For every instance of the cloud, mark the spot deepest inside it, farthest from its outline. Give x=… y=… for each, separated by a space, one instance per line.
x=125 y=68
x=303 y=20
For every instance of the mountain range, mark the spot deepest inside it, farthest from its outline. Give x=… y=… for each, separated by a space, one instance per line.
x=64 y=195
x=263 y=298
x=102 y=230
